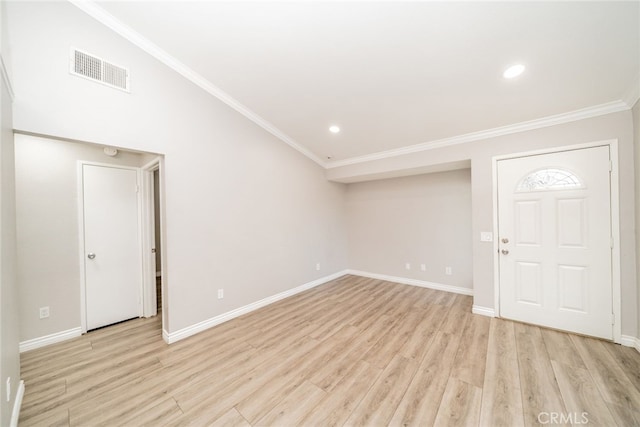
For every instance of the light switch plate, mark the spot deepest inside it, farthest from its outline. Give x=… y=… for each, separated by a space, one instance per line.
x=486 y=236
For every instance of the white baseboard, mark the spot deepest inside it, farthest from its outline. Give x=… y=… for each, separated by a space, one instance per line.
x=17 y=405
x=50 y=339
x=629 y=341
x=209 y=323
x=414 y=282
x=484 y=311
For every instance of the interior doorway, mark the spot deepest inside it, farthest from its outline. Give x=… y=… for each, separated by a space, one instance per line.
x=157 y=239
x=111 y=245
x=152 y=239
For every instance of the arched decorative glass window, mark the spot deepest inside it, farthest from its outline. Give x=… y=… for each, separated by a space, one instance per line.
x=549 y=179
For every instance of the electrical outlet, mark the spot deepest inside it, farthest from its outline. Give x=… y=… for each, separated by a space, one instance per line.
x=407 y=266
x=8 y=389
x=220 y=293
x=447 y=271
x=318 y=266
x=44 y=312
x=423 y=267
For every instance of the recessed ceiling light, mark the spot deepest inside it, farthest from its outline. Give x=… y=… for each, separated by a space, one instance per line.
x=334 y=129
x=513 y=71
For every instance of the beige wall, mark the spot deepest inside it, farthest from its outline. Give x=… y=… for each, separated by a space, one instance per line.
x=422 y=219
x=611 y=126
x=244 y=211
x=48 y=229
x=9 y=356
x=636 y=133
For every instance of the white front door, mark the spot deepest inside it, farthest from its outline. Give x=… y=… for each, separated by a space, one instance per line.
x=554 y=230
x=112 y=254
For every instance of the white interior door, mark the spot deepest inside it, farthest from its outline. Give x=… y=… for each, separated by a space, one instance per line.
x=113 y=269
x=554 y=225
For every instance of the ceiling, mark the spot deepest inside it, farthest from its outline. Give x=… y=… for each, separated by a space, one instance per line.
x=393 y=74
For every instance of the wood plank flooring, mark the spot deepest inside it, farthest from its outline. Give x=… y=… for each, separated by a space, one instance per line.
x=354 y=351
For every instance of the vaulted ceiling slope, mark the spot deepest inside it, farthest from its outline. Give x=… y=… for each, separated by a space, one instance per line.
x=394 y=76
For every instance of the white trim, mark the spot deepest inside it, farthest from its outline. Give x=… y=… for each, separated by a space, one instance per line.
x=572 y=116
x=6 y=79
x=46 y=340
x=483 y=311
x=496 y=237
x=17 y=405
x=615 y=224
x=414 y=282
x=616 y=267
x=82 y=251
x=633 y=94
x=181 y=334
x=629 y=341
x=105 y=18
x=149 y=296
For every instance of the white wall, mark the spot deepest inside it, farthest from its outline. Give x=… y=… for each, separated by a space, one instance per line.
x=244 y=211
x=48 y=229
x=417 y=219
x=611 y=126
x=9 y=355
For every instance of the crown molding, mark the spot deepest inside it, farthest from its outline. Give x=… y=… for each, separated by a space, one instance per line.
x=633 y=94
x=572 y=116
x=105 y=18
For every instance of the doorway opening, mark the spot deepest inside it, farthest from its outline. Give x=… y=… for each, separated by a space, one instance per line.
x=144 y=239
x=158 y=241
x=152 y=239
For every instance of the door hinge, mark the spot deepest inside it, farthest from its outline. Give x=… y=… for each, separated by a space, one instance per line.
x=137 y=188
x=613 y=319
x=611 y=242
x=610 y=166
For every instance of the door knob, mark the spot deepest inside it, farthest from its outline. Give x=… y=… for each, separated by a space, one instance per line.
x=505 y=240
x=505 y=252
x=91 y=255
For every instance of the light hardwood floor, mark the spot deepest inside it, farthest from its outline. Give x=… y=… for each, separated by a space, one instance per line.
x=354 y=351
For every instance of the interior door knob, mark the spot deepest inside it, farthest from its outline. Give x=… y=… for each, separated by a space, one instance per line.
x=505 y=252
x=505 y=240
x=91 y=255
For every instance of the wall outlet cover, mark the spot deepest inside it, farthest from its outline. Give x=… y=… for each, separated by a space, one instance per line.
x=44 y=312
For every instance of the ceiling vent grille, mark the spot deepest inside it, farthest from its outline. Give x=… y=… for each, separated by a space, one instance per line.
x=83 y=64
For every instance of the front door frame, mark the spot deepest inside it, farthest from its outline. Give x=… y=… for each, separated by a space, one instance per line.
x=615 y=225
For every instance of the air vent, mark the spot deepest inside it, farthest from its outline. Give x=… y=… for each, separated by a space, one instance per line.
x=83 y=64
